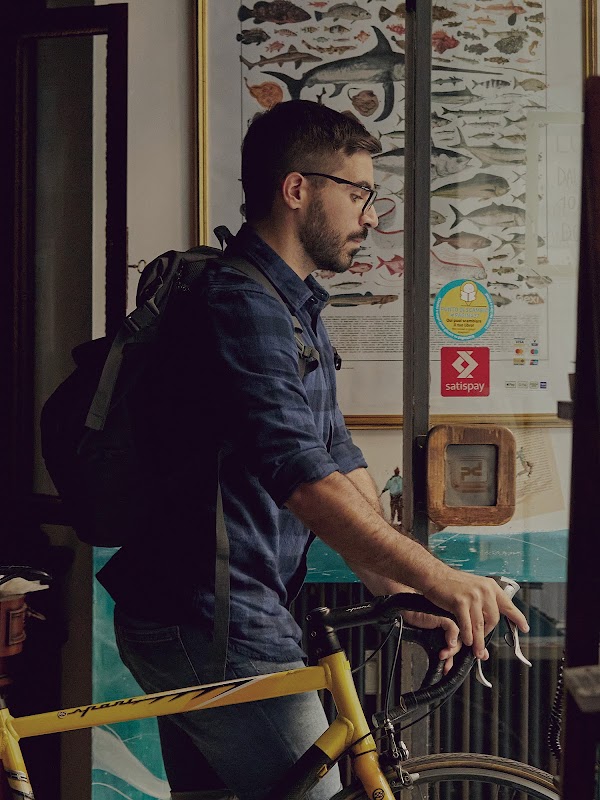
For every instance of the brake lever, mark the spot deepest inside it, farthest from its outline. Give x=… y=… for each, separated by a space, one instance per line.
x=510 y=588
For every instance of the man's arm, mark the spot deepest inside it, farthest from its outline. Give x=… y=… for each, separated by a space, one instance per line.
x=338 y=513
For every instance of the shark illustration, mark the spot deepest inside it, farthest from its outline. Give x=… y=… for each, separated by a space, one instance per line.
x=379 y=65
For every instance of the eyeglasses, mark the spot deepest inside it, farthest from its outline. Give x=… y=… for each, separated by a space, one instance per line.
x=371 y=193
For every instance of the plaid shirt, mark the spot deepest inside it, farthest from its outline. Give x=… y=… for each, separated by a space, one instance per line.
x=276 y=431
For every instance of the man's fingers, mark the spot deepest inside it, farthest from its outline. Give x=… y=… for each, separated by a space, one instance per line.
x=463 y=618
x=478 y=627
x=513 y=613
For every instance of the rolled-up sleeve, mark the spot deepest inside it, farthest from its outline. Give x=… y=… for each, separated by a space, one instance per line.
x=343 y=450
x=259 y=392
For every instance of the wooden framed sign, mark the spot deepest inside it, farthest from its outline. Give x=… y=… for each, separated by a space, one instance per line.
x=471 y=474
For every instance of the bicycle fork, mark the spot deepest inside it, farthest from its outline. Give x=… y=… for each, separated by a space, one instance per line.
x=12 y=758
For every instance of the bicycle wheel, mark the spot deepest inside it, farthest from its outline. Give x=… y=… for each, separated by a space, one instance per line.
x=466 y=776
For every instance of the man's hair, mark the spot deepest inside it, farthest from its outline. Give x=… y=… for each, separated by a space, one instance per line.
x=297 y=135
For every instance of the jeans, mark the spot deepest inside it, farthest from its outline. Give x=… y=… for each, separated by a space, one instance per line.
x=243 y=748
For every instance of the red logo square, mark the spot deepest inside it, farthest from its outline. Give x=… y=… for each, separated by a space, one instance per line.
x=465 y=371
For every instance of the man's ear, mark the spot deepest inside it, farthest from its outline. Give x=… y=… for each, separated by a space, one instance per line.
x=294 y=190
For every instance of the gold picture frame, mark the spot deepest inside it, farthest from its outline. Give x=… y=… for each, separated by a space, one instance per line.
x=363 y=421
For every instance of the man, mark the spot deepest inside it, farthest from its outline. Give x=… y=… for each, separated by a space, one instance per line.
x=230 y=391
x=394 y=487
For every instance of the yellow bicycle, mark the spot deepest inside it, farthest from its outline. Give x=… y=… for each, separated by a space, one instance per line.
x=382 y=769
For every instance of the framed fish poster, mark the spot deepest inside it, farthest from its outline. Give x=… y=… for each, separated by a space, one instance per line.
x=505 y=180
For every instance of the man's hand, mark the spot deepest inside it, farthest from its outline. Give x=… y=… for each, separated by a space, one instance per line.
x=476 y=603
x=418 y=620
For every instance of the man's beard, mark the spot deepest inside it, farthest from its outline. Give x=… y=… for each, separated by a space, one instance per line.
x=323 y=244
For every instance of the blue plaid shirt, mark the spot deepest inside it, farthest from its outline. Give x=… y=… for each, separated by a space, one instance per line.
x=276 y=431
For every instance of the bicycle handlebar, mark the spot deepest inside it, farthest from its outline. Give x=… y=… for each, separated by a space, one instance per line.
x=381 y=610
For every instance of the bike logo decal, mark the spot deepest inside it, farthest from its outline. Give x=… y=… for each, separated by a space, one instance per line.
x=377 y=794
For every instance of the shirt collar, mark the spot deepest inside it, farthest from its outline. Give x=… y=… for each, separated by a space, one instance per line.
x=296 y=291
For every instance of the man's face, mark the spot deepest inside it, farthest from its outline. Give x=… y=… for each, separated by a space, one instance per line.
x=335 y=226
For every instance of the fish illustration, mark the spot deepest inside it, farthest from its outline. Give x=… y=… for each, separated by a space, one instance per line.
x=439 y=122
x=337 y=29
x=445 y=267
x=511 y=44
x=362 y=36
x=346 y=283
x=452 y=79
x=537 y=281
x=333 y=49
x=515 y=138
x=523 y=34
x=510 y=7
x=395 y=134
x=446 y=162
x=530 y=85
x=502 y=284
x=443 y=162
x=462 y=241
x=493 y=83
x=497 y=60
x=518 y=242
x=494 y=215
x=309 y=29
x=479 y=49
x=385 y=13
x=442 y=41
x=292 y=55
x=344 y=11
x=493 y=153
x=467 y=35
x=399 y=29
x=438 y=13
x=360 y=267
x=504 y=270
x=482 y=20
x=274 y=47
x=379 y=65
x=435 y=218
x=499 y=299
x=280 y=12
x=479 y=112
x=286 y=32
x=536 y=18
x=357 y=299
x=253 y=36
x=395 y=265
x=537 y=32
x=457 y=97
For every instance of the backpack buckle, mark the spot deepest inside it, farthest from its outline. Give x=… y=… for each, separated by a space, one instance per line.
x=142 y=316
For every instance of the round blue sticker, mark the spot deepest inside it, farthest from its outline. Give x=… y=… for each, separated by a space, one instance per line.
x=463 y=309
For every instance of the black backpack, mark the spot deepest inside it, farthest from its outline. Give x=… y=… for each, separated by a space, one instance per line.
x=87 y=433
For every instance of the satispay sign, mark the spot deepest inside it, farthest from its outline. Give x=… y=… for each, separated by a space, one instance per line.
x=465 y=372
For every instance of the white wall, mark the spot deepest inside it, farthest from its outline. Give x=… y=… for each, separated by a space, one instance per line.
x=161 y=159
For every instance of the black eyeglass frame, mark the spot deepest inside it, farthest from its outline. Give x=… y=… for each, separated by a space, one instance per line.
x=372 y=192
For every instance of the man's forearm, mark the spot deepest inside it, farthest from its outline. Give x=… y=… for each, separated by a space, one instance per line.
x=342 y=516
x=376 y=584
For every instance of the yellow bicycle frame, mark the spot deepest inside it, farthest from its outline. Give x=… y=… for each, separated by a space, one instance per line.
x=349 y=729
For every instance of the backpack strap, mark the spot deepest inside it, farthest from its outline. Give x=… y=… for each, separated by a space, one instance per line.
x=308 y=356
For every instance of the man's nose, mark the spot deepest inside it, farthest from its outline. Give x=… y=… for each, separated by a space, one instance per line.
x=370 y=218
